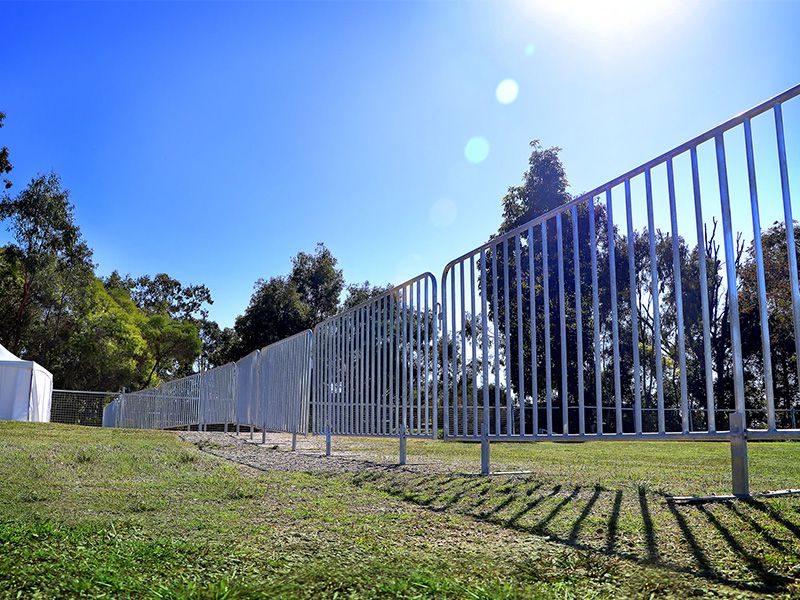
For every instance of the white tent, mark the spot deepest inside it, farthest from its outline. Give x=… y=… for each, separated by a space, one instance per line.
x=26 y=389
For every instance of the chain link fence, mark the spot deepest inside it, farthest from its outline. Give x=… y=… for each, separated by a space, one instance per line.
x=79 y=407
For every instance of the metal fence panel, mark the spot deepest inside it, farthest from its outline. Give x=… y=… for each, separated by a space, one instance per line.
x=77 y=407
x=218 y=395
x=376 y=365
x=577 y=325
x=284 y=384
x=172 y=404
x=247 y=389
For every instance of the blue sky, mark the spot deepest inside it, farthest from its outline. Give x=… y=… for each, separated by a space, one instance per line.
x=214 y=141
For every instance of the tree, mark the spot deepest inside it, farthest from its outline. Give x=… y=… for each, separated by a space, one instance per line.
x=283 y=306
x=162 y=294
x=52 y=263
x=220 y=346
x=5 y=163
x=175 y=346
x=544 y=187
x=318 y=282
x=361 y=292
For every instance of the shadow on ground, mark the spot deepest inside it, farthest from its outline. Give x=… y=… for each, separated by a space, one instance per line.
x=750 y=545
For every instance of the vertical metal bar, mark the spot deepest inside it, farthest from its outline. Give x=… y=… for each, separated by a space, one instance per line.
x=730 y=269
x=393 y=411
x=678 y=289
x=395 y=349
x=409 y=364
x=359 y=372
x=445 y=369
x=637 y=374
x=484 y=343
x=506 y=338
x=762 y=288
x=413 y=377
x=654 y=293
x=520 y=339
x=496 y=306
x=435 y=350
x=612 y=275
x=576 y=267
x=739 y=468
x=475 y=427
x=404 y=423
x=382 y=365
x=463 y=355
x=373 y=404
x=789 y=221
x=417 y=359
x=562 y=301
x=702 y=258
x=426 y=363
x=534 y=357
x=485 y=450
x=455 y=355
x=598 y=383
x=547 y=359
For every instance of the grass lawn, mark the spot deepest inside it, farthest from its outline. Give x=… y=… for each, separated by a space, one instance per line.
x=141 y=514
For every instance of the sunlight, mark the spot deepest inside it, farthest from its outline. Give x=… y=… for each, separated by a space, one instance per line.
x=477 y=149
x=507 y=91
x=607 y=17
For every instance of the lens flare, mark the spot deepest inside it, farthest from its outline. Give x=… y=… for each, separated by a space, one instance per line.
x=477 y=149
x=507 y=91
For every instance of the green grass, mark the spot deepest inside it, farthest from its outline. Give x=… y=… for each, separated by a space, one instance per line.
x=121 y=513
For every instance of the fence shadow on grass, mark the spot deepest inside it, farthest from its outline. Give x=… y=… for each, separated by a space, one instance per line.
x=750 y=545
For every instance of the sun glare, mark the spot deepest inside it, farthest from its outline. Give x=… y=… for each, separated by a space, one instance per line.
x=607 y=17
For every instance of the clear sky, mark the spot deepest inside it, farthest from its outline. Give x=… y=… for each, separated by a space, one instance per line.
x=214 y=141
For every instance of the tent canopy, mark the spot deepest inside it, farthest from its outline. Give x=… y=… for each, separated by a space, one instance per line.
x=26 y=389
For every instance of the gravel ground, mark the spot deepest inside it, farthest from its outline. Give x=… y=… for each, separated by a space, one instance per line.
x=360 y=454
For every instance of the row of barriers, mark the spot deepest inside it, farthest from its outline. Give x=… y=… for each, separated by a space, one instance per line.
x=268 y=389
x=578 y=324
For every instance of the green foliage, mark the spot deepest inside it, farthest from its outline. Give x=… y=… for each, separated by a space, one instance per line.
x=361 y=292
x=544 y=188
x=283 y=306
x=46 y=272
x=5 y=163
x=89 y=335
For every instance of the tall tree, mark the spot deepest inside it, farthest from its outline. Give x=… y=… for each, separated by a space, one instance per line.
x=52 y=262
x=361 y=292
x=283 y=306
x=5 y=163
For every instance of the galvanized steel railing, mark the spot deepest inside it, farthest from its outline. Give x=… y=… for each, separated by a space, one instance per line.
x=376 y=367
x=171 y=405
x=285 y=384
x=581 y=330
x=566 y=326
x=218 y=396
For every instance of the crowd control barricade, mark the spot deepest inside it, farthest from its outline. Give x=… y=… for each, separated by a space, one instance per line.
x=218 y=396
x=284 y=386
x=643 y=309
x=171 y=405
x=247 y=391
x=376 y=367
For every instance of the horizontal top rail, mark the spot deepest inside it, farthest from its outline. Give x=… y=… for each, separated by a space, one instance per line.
x=305 y=332
x=763 y=107
x=96 y=393
x=386 y=294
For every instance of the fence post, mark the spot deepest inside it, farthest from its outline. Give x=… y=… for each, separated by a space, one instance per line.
x=294 y=441
x=484 y=450
x=328 y=440
x=739 y=468
x=403 y=446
